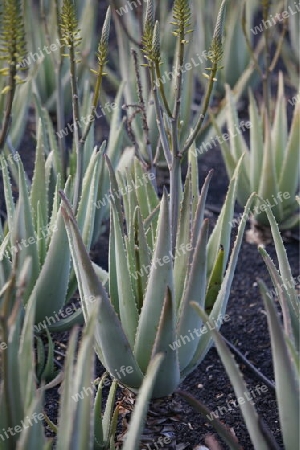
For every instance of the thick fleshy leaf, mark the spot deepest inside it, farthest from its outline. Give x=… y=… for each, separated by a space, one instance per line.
x=279 y=128
x=200 y=210
x=111 y=343
x=23 y=229
x=26 y=356
x=183 y=238
x=220 y=304
x=280 y=291
x=142 y=258
x=38 y=194
x=109 y=408
x=256 y=144
x=33 y=436
x=290 y=174
x=168 y=377
x=287 y=388
x=160 y=278
x=286 y=277
x=138 y=417
x=238 y=145
x=51 y=286
x=221 y=232
x=127 y=305
x=215 y=281
x=9 y=201
x=194 y=291
x=268 y=185
x=238 y=384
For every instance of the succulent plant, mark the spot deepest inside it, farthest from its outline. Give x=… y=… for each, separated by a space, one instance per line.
x=285 y=352
x=143 y=267
x=80 y=422
x=271 y=165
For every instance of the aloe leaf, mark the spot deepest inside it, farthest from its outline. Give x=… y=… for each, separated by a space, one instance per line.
x=26 y=358
x=38 y=194
x=86 y=209
x=268 y=182
x=193 y=164
x=289 y=175
x=292 y=222
x=108 y=412
x=12 y=404
x=284 y=266
x=112 y=267
x=48 y=371
x=221 y=232
x=215 y=281
x=9 y=201
x=159 y=278
x=287 y=388
x=142 y=257
x=77 y=393
x=108 y=329
x=183 y=238
x=115 y=191
x=127 y=305
x=67 y=409
x=51 y=286
x=41 y=235
x=33 y=436
x=282 y=294
x=237 y=142
x=67 y=323
x=194 y=290
x=279 y=128
x=98 y=428
x=23 y=228
x=238 y=384
x=113 y=151
x=256 y=144
x=83 y=420
x=220 y=304
x=168 y=376
x=53 y=144
x=138 y=417
x=200 y=210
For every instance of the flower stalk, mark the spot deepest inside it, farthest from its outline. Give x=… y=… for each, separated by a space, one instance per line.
x=12 y=52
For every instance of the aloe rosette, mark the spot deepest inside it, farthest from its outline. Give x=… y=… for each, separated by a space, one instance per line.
x=271 y=164
x=147 y=311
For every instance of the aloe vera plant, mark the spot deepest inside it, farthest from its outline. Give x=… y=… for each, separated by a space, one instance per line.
x=143 y=267
x=81 y=422
x=271 y=165
x=35 y=229
x=285 y=352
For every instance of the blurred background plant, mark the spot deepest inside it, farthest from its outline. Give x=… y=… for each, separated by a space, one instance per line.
x=271 y=164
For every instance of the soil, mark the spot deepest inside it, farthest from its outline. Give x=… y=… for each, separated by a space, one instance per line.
x=246 y=329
